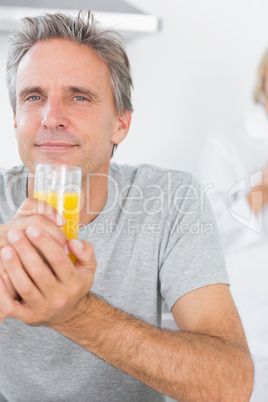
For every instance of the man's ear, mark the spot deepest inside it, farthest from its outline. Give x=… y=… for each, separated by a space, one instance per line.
x=122 y=127
x=15 y=125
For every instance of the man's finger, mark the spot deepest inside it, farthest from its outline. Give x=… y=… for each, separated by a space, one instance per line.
x=12 y=291
x=55 y=255
x=22 y=282
x=33 y=264
x=84 y=252
x=33 y=206
x=37 y=220
x=10 y=307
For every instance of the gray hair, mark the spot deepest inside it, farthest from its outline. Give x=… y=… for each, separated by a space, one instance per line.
x=82 y=29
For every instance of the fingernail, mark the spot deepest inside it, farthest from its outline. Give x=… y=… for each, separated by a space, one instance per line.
x=77 y=244
x=60 y=220
x=66 y=249
x=33 y=231
x=14 y=235
x=7 y=253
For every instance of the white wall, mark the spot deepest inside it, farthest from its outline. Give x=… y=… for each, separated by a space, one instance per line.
x=8 y=144
x=195 y=74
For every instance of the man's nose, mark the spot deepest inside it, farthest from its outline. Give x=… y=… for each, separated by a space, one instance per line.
x=54 y=115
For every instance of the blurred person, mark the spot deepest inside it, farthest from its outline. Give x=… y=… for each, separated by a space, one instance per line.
x=92 y=331
x=234 y=166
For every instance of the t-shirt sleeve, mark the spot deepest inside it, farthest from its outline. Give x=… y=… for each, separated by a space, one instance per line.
x=191 y=252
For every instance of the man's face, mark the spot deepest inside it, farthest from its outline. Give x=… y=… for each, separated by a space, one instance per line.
x=65 y=111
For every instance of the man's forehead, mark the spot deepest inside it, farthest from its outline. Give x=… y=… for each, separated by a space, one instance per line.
x=61 y=51
x=63 y=61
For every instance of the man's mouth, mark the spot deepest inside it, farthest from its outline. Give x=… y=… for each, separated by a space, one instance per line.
x=56 y=146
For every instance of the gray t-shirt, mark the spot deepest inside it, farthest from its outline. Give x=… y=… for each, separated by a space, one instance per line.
x=156 y=237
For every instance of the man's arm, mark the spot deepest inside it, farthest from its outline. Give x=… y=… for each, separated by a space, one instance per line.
x=207 y=361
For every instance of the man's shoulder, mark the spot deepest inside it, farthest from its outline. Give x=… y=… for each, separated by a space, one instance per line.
x=147 y=174
x=12 y=190
x=13 y=171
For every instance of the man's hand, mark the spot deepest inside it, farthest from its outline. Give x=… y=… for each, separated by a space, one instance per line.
x=51 y=294
x=32 y=212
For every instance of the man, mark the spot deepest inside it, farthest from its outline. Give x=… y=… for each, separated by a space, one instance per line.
x=67 y=334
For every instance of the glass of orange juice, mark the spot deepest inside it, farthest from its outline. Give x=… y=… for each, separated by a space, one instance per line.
x=60 y=186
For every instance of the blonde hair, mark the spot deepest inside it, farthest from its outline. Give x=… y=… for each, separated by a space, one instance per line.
x=259 y=94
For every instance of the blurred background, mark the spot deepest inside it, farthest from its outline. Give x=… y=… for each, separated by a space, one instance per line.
x=193 y=73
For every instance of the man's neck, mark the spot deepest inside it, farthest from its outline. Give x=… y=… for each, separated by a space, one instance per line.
x=94 y=192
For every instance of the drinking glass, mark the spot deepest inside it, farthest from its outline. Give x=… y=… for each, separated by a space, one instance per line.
x=60 y=186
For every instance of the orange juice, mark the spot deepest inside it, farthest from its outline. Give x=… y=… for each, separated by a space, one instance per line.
x=68 y=205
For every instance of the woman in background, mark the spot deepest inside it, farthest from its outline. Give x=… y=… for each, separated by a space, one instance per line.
x=235 y=165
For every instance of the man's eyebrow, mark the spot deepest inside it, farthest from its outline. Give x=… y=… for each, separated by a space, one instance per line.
x=73 y=89
x=27 y=90
x=84 y=90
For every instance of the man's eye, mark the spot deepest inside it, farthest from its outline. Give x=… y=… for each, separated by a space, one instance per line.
x=33 y=98
x=80 y=98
